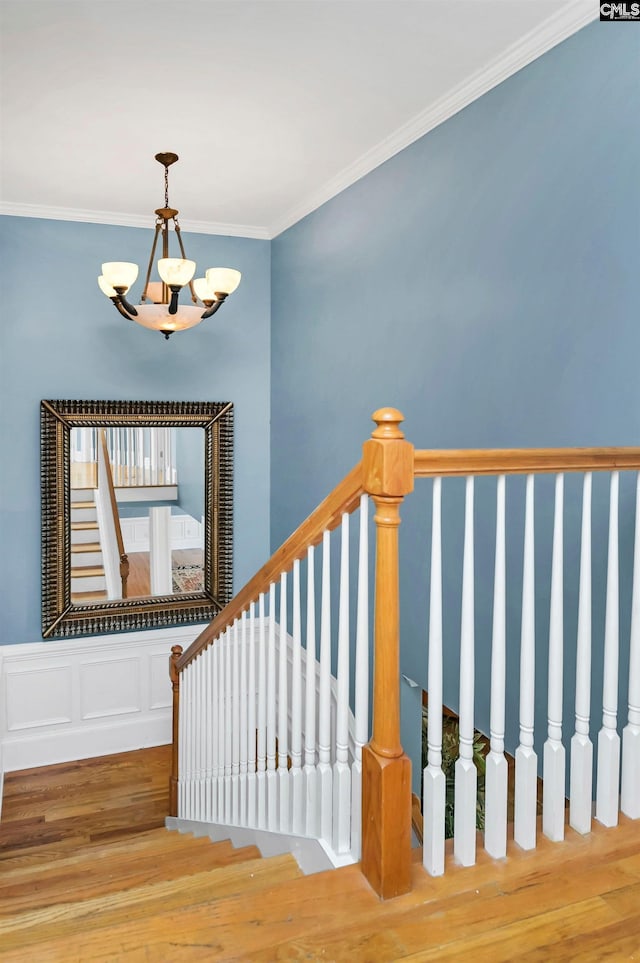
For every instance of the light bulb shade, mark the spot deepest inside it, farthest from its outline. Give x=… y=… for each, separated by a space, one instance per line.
x=157 y=318
x=119 y=274
x=203 y=290
x=106 y=288
x=176 y=271
x=223 y=280
x=154 y=291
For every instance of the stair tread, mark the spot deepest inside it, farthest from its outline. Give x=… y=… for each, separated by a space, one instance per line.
x=61 y=859
x=142 y=904
x=78 y=849
x=83 y=526
x=86 y=547
x=105 y=872
x=86 y=571
x=88 y=596
x=82 y=505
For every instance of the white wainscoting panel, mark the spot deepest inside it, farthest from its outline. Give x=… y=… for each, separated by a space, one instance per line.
x=185 y=532
x=38 y=696
x=110 y=687
x=78 y=698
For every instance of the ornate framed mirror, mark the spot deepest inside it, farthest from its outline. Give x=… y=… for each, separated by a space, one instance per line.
x=137 y=514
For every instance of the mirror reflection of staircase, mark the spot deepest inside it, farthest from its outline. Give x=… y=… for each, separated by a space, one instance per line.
x=87 y=569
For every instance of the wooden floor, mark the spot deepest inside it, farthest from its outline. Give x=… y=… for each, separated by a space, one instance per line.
x=88 y=874
x=139 y=581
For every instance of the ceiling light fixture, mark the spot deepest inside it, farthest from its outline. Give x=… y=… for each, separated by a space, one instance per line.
x=163 y=313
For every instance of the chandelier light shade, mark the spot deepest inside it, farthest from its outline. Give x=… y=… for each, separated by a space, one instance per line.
x=159 y=309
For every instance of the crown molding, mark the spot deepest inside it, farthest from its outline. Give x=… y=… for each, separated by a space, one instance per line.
x=561 y=25
x=130 y=220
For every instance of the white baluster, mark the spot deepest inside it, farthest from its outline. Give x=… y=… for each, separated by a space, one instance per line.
x=630 y=797
x=272 y=781
x=199 y=734
x=153 y=444
x=201 y=694
x=213 y=715
x=182 y=747
x=228 y=727
x=310 y=771
x=139 y=456
x=190 y=743
x=222 y=815
x=496 y=775
x=243 y=720
x=186 y=756
x=466 y=776
x=526 y=759
x=261 y=742
x=251 y=721
x=235 y=724
x=324 y=709
x=284 y=794
x=608 y=778
x=554 y=755
x=362 y=678
x=208 y=731
x=295 y=775
x=341 y=771
x=580 y=787
x=433 y=779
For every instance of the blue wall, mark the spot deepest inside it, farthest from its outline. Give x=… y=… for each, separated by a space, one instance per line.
x=484 y=281
x=61 y=338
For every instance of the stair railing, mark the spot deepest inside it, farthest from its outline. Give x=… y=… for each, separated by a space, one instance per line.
x=112 y=517
x=245 y=768
x=243 y=692
x=523 y=795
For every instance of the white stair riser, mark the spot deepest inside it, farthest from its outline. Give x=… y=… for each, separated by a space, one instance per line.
x=83 y=514
x=94 y=583
x=82 y=537
x=86 y=558
x=82 y=495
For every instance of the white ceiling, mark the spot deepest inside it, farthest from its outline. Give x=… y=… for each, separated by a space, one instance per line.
x=273 y=105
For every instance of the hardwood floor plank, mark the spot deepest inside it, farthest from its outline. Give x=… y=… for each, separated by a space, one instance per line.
x=506 y=943
x=88 y=874
x=75 y=882
x=77 y=924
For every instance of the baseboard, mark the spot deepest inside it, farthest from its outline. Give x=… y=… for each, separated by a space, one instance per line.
x=78 y=698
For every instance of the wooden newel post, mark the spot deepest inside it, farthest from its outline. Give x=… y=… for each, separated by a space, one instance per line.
x=386 y=770
x=174 y=675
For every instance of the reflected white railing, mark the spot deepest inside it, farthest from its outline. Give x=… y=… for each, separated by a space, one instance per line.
x=139 y=457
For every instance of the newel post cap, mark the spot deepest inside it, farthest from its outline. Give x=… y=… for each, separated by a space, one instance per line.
x=387 y=458
x=176 y=652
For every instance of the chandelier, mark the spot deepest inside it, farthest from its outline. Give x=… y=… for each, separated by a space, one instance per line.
x=159 y=308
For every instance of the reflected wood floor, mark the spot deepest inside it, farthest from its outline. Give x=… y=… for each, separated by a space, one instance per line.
x=87 y=874
x=139 y=581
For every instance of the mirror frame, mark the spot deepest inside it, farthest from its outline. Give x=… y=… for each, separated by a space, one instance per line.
x=61 y=618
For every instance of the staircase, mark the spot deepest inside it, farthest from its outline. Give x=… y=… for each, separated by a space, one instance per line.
x=88 y=581
x=88 y=874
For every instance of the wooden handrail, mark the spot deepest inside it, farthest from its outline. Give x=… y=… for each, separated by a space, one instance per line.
x=522 y=461
x=344 y=498
x=124 y=558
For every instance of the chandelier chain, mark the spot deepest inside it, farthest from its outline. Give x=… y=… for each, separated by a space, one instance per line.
x=166 y=185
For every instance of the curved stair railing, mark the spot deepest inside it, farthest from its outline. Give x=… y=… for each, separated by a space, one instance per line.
x=264 y=735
